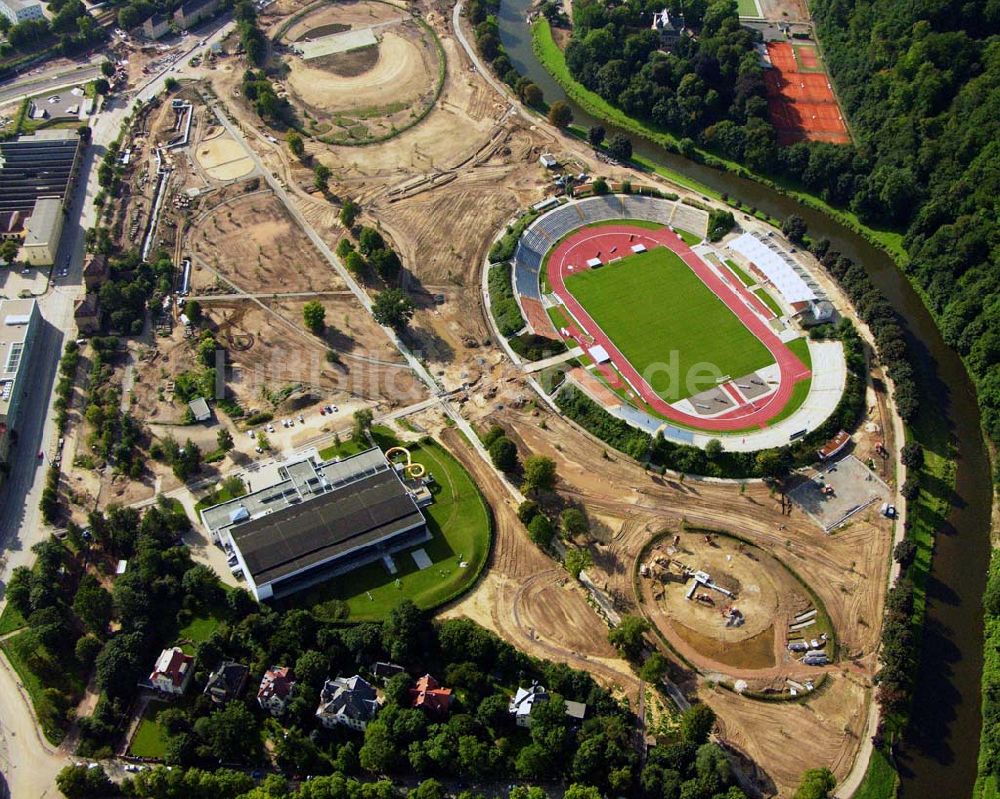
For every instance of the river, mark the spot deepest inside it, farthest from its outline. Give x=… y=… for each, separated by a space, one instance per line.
x=939 y=757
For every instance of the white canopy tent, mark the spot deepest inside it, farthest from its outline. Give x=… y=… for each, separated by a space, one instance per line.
x=774 y=267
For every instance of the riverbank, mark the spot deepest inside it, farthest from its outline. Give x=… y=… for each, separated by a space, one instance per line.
x=938 y=478
x=551 y=57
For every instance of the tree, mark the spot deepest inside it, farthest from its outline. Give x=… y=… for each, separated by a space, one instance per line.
x=654 y=669
x=560 y=114
x=171 y=85
x=314 y=316
x=696 y=723
x=531 y=95
x=713 y=449
x=355 y=262
x=348 y=213
x=816 y=784
x=620 y=147
x=595 y=136
x=912 y=455
x=628 y=636
x=321 y=177
x=601 y=187
x=120 y=664
x=19 y=588
x=344 y=248
x=230 y=734
x=295 y=144
x=772 y=464
x=503 y=453
x=393 y=308
x=362 y=424
x=527 y=511
x=188 y=461
x=540 y=530
x=904 y=552
x=370 y=240
x=86 y=650
x=8 y=251
x=92 y=604
x=539 y=473
x=107 y=69
x=794 y=227
x=224 y=439
x=192 y=310
x=83 y=782
x=573 y=522
x=577 y=560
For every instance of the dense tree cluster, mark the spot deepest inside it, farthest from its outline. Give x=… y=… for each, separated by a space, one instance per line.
x=260 y=92
x=989 y=762
x=70 y=30
x=711 y=84
x=899 y=655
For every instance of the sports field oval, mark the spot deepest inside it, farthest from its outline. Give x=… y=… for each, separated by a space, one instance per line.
x=664 y=326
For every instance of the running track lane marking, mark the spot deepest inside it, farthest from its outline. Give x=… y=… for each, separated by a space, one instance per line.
x=790 y=367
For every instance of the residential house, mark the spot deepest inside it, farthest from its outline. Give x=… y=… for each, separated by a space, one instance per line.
x=349 y=702
x=87 y=313
x=199 y=409
x=172 y=672
x=192 y=12
x=430 y=696
x=227 y=682
x=526 y=698
x=156 y=26
x=276 y=689
x=669 y=27
x=95 y=271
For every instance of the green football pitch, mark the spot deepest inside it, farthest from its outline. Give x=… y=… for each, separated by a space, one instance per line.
x=651 y=306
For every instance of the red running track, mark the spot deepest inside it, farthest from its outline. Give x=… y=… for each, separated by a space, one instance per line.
x=587 y=242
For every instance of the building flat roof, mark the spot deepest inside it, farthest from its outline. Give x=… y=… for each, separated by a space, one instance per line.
x=44 y=225
x=40 y=165
x=15 y=319
x=290 y=540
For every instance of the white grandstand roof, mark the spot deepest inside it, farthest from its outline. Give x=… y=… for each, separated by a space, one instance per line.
x=775 y=266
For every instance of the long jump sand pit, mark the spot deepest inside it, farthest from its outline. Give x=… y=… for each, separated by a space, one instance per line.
x=701 y=621
x=365 y=92
x=223 y=158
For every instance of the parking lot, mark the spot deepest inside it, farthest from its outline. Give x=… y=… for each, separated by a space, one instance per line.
x=836 y=491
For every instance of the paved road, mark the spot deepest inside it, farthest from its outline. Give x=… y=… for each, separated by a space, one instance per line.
x=52 y=79
x=30 y=766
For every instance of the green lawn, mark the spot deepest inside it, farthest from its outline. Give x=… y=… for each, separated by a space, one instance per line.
x=199 y=629
x=800 y=347
x=656 y=309
x=765 y=297
x=747 y=8
x=461 y=527
x=799 y=393
x=556 y=315
x=10 y=620
x=881 y=780
x=344 y=450
x=150 y=739
x=690 y=239
x=745 y=279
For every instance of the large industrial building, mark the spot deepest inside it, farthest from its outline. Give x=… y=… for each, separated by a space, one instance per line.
x=19 y=323
x=311 y=520
x=18 y=11
x=37 y=175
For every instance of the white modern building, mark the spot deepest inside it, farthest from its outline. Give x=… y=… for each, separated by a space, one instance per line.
x=18 y=11
x=19 y=323
x=311 y=520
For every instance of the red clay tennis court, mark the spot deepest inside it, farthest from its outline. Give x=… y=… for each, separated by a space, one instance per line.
x=614 y=241
x=802 y=105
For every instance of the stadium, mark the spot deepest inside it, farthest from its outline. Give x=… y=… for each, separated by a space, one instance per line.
x=675 y=335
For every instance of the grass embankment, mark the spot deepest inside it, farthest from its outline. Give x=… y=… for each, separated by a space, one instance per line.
x=745 y=279
x=987 y=785
x=44 y=680
x=765 y=297
x=881 y=780
x=554 y=61
x=461 y=526
x=654 y=308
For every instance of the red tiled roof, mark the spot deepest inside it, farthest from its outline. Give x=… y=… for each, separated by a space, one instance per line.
x=429 y=695
x=276 y=682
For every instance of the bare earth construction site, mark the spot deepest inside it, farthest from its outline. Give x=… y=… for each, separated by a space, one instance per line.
x=766 y=598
